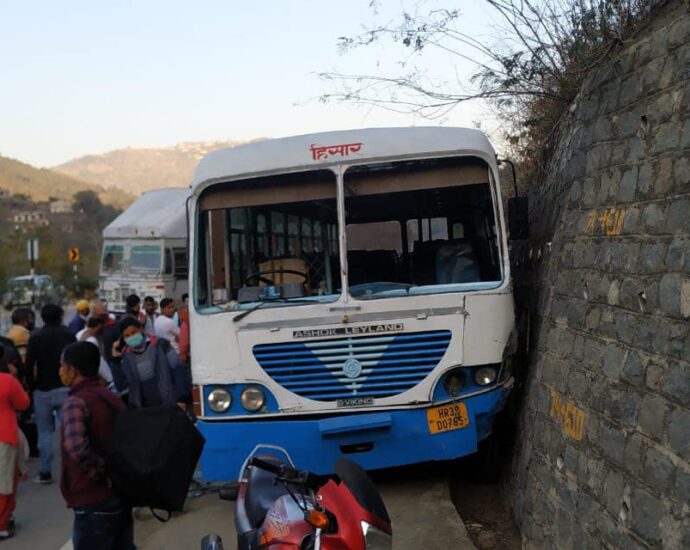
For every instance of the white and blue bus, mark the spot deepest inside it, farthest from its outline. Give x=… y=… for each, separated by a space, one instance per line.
x=351 y=295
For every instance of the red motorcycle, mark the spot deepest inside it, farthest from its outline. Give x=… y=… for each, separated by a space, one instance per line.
x=280 y=507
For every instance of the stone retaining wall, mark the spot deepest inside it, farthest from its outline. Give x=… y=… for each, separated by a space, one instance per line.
x=604 y=452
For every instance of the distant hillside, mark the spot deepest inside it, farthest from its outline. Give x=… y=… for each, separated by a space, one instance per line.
x=136 y=169
x=39 y=184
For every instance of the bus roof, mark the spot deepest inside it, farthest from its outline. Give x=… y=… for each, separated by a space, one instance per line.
x=325 y=149
x=156 y=214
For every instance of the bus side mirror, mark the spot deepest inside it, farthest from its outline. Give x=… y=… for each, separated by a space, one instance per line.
x=518 y=218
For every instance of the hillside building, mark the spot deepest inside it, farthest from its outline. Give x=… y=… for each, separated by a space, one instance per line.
x=61 y=207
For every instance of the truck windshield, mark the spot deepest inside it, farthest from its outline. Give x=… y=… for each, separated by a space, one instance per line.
x=113 y=256
x=420 y=227
x=271 y=241
x=145 y=257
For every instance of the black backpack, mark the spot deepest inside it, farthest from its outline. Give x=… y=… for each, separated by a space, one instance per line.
x=151 y=455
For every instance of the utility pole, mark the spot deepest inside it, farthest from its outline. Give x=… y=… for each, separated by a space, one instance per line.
x=32 y=254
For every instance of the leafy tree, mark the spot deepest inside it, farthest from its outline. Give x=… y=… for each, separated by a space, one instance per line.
x=530 y=76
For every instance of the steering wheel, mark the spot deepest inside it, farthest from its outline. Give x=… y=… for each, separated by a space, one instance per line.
x=259 y=276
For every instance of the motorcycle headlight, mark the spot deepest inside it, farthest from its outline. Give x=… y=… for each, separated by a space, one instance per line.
x=252 y=399
x=484 y=376
x=375 y=539
x=219 y=400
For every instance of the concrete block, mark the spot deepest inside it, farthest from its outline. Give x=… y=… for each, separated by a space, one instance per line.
x=613 y=491
x=678 y=216
x=654 y=376
x=611 y=442
x=681 y=171
x=645 y=181
x=652 y=257
x=666 y=138
x=628 y=185
x=637 y=149
x=682 y=486
x=648 y=511
x=677 y=432
x=685 y=134
x=658 y=470
x=633 y=370
x=630 y=220
x=633 y=455
x=679 y=33
x=676 y=384
x=653 y=218
x=676 y=252
x=653 y=411
x=670 y=294
x=663 y=180
x=614 y=358
x=622 y=407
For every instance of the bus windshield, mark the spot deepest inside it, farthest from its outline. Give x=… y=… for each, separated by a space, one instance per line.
x=420 y=227
x=272 y=239
x=145 y=257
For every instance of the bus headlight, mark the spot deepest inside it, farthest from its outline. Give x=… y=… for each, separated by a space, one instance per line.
x=454 y=382
x=484 y=376
x=219 y=400
x=252 y=399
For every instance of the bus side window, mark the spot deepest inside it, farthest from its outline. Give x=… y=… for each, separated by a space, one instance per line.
x=168 y=262
x=181 y=269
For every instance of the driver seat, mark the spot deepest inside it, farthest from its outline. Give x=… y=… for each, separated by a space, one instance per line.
x=293 y=264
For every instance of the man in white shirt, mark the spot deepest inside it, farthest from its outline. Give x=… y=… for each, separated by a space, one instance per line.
x=93 y=333
x=150 y=307
x=165 y=325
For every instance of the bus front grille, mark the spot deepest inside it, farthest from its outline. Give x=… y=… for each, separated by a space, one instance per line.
x=362 y=366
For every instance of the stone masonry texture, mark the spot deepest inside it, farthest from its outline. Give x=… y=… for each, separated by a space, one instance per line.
x=603 y=454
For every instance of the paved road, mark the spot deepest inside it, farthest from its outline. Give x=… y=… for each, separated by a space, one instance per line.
x=418 y=503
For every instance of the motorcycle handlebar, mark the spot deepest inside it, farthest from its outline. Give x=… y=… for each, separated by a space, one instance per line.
x=287 y=472
x=276 y=469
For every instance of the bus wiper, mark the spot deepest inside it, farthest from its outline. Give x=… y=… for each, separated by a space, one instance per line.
x=263 y=303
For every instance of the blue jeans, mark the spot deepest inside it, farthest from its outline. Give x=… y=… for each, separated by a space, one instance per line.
x=48 y=412
x=107 y=525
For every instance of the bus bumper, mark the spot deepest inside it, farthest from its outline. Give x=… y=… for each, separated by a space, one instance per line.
x=374 y=439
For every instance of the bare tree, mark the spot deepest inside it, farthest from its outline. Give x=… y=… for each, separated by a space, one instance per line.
x=531 y=75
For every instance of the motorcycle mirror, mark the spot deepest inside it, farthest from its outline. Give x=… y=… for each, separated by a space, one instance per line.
x=212 y=542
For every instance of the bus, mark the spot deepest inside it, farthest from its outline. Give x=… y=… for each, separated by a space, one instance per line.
x=145 y=250
x=350 y=296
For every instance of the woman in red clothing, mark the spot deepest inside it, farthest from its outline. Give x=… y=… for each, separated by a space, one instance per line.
x=13 y=399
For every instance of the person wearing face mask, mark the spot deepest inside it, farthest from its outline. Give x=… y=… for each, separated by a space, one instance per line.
x=112 y=330
x=101 y=519
x=147 y=369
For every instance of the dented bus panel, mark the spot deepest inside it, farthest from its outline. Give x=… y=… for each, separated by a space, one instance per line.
x=351 y=295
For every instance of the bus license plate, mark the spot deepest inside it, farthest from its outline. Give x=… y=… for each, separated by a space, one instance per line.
x=447 y=418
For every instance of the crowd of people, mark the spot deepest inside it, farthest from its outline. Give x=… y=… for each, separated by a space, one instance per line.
x=74 y=378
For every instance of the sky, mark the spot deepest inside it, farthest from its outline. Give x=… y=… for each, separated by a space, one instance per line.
x=84 y=77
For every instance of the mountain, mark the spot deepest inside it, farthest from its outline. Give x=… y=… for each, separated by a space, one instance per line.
x=40 y=184
x=140 y=169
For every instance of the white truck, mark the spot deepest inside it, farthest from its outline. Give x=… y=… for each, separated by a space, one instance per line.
x=145 y=250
